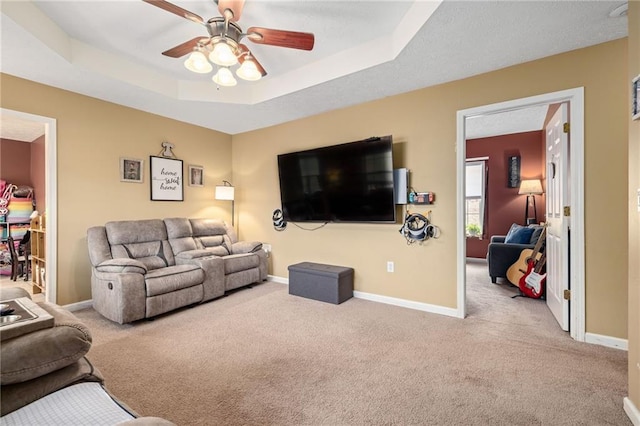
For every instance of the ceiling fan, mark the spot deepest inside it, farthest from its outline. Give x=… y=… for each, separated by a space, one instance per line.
x=223 y=46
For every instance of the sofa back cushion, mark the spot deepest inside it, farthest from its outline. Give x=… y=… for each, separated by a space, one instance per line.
x=212 y=235
x=518 y=234
x=180 y=235
x=143 y=240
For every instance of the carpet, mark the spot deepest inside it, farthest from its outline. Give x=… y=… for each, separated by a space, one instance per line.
x=263 y=357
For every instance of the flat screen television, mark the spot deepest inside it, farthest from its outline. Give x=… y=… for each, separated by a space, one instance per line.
x=350 y=182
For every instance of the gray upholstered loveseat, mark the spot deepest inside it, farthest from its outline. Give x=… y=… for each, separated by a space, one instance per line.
x=143 y=268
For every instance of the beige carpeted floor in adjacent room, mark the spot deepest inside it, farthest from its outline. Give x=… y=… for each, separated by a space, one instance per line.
x=263 y=357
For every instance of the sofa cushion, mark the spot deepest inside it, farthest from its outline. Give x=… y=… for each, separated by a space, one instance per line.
x=40 y=352
x=537 y=231
x=518 y=234
x=121 y=265
x=240 y=262
x=172 y=278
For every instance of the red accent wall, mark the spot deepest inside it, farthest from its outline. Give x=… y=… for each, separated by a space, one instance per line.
x=15 y=162
x=504 y=204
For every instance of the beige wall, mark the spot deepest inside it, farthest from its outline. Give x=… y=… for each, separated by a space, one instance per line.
x=634 y=214
x=93 y=134
x=91 y=137
x=423 y=124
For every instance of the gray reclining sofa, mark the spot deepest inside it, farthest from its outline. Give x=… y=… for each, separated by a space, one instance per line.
x=144 y=268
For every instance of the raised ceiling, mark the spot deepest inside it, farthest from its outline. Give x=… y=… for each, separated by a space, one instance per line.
x=364 y=50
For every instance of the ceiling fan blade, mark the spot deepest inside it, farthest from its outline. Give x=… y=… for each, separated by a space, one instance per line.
x=169 y=7
x=291 y=39
x=184 y=48
x=235 y=6
x=245 y=49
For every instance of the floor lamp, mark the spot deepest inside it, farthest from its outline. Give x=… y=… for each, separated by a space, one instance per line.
x=530 y=188
x=226 y=191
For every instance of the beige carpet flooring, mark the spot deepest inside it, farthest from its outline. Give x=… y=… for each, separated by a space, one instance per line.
x=263 y=357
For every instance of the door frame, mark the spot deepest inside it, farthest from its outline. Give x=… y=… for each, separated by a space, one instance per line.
x=51 y=209
x=575 y=97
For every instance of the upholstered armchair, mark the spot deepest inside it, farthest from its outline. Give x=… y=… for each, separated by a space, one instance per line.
x=504 y=250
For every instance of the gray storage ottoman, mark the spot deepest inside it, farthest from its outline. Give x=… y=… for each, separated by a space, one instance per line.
x=326 y=283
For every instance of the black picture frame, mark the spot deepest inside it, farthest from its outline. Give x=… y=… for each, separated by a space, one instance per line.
x=167 y=182
x=513 y=171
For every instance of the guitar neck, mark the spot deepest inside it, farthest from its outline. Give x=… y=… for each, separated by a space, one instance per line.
x=538 y=268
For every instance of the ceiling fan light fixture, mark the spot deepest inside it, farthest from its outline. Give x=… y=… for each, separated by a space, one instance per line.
x=248 y=70
x=224 y=77
x=223 y=55
x=197 y=62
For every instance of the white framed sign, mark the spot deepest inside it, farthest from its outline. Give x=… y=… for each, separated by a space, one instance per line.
x=166 y=179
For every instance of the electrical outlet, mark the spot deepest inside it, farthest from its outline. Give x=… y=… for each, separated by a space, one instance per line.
x=390 y=266
x=266 y=247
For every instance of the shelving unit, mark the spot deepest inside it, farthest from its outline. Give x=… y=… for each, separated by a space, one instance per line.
x=38 y=255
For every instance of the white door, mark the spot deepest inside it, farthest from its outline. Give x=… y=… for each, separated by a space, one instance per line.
x=558 y=223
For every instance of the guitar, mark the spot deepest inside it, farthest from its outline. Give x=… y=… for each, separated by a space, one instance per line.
x=519 y=268
x=532 y=283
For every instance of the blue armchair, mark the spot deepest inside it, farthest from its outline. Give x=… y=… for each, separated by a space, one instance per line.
x=502 y=254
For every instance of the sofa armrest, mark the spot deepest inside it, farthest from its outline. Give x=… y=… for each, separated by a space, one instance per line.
x=501 y=256
x=498 y=238
x=122 y=265
x=121 y=297
x=242 y=247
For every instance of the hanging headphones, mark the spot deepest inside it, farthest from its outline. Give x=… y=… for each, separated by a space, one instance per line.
x=417 y=227
x=279 y=223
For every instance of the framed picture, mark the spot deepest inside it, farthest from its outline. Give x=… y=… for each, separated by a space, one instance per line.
x=131 y=170
x=196 y=175
x=166 y=179
x=513 y=171
x=635 y=98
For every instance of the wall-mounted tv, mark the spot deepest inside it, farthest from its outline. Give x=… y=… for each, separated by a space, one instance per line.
x=350 y=182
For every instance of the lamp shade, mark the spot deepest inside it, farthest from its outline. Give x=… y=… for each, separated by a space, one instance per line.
x=249 y=71
x=197 y=62
x=223 y=55
x=224 y=192
x=530 y=187
x=224 y=77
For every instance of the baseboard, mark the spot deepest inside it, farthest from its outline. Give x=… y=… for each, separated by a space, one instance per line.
x=608 y=341
x=435 y=309
x=476 y=260
x=279 y=280
x=632 y=411
x=78 y=306
x=418 y=306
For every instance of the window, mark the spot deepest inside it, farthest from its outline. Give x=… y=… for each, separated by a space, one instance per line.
x=475 y=197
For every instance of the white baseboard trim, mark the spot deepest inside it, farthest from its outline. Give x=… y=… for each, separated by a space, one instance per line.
x=608 y=341
x=418 y=306
x=78 y=306
x=279 y=280
x=632 y=411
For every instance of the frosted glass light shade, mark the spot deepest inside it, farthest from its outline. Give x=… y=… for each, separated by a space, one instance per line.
x=225 y=192
x=223 y=55
x=197 y=62
x=224 y=77
x=529 y=187
x=249 y=71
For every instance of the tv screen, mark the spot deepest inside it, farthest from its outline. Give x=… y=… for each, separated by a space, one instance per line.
x=351 y=182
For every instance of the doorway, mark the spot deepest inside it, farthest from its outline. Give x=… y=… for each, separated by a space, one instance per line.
x=51 y=195
x=575 y=98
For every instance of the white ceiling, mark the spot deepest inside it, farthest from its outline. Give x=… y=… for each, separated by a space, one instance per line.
x=364 y=50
